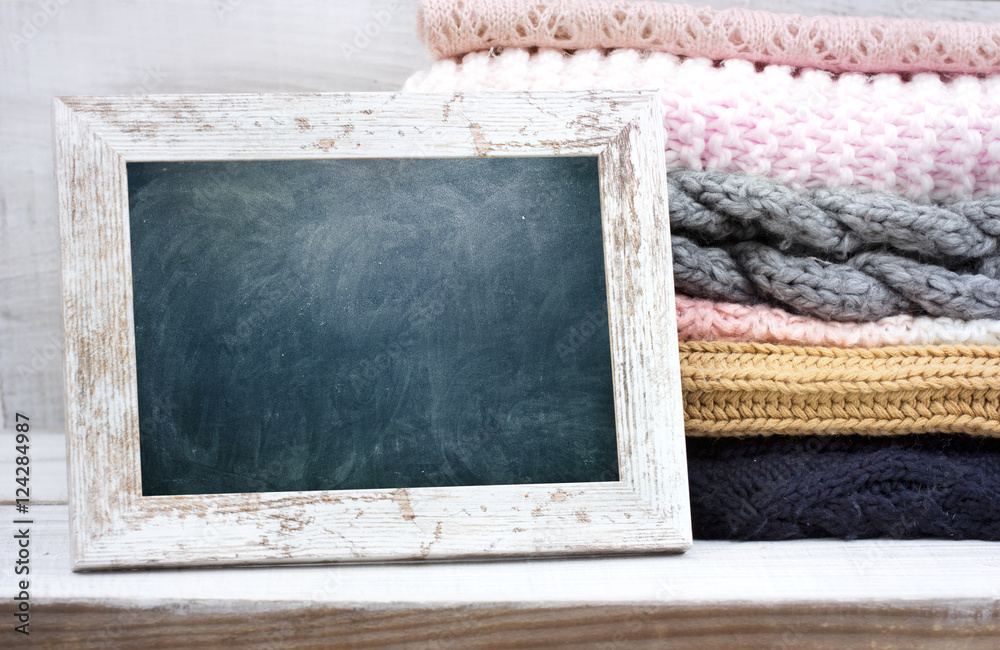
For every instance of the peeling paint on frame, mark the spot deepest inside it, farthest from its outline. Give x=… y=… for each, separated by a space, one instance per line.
x=113 y=526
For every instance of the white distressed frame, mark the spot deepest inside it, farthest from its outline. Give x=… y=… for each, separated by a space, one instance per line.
x=114 y=526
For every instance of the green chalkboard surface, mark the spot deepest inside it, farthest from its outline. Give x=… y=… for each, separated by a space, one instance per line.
x=359 y=324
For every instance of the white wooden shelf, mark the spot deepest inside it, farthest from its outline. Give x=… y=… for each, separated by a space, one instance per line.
x=821 y=593
x=711 y=573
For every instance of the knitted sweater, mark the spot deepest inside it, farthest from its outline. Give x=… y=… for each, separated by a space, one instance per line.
x=720 y=321
x=837 y=44
x=844 y=486
x=832 y=222
x=865 y=287
x=924 y=139
x=836 y=254
x=757 y=388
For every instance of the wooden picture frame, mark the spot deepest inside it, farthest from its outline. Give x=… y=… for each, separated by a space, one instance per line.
x=114 y=526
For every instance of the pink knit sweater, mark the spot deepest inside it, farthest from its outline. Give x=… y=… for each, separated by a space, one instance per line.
x=705 y=320
x=925 y=138
x=836 y=44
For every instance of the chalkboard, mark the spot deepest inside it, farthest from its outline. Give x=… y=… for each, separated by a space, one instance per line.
x=370 y=323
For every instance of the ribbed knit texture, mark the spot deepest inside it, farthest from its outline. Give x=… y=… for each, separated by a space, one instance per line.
x=838 y=44
x=924 y=139
x=709 y=320
x=852 y=487
x=764 y=389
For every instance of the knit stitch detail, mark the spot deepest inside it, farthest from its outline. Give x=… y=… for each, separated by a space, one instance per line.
x=865 y=287
x=759 y=388
x=924 y=139
x=837 y=44
x=835 y=222
x=792 y=487
x=706 y=320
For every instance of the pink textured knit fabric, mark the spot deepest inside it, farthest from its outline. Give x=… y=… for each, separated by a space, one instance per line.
x=837 y=44
x=705 y=320
x=924 y=139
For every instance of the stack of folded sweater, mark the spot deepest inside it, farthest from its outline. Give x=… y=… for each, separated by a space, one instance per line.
x=834 y=195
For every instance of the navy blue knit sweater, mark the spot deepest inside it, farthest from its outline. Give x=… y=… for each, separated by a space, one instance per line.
x=792 y=487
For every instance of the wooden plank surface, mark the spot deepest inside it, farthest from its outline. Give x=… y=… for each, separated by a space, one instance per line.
x=890 y=572
x=719 y=594
x=503 y=625
x=47 y=451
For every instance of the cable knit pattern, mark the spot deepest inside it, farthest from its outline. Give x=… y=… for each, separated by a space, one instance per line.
x=759 y=388
x=837 y=44
x=865 y=287
x=707 y=320
x=777 y=487
x=834 y=222
x=924 y=139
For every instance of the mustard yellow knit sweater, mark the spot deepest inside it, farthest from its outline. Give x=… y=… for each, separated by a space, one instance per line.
x=735 y=389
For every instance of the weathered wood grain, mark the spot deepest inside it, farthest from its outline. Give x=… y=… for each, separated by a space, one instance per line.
x=47 y=451
x=114 y=526
x=890 y=572
x=817 y=593
x=507 y=625
x=356 y=125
